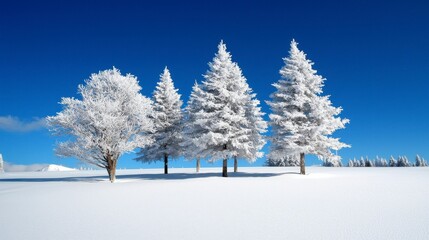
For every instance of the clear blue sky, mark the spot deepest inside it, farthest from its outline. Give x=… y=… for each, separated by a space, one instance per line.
x=374 y=54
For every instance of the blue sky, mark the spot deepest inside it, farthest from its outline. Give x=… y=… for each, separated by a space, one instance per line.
x=374 y=54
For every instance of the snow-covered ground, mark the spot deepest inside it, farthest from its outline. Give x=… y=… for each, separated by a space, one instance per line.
x=257 y=203
x=35 y=168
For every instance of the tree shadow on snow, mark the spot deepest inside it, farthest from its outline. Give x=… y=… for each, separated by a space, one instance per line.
x=58 y=179
x=146 y=176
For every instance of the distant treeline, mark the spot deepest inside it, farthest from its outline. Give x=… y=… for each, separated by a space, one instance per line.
x=401 y=161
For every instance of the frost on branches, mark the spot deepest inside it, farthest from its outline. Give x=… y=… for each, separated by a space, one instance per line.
x=112 y=118
x=229 y=116
x=193 y=128
x=167 y=117
x=302 y=119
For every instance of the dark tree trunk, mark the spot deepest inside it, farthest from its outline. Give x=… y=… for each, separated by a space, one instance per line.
x=111 y=168
x=165 y=164
x=225 y=164
x=198 y=164
x=302 y=163
x=225 y=168
x=235 y=164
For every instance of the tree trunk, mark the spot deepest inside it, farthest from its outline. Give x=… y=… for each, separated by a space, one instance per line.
x=165 y=164
x=225 y=168
x=235 y=164
x=111 y=168
x=302 y=163
x=198 y=164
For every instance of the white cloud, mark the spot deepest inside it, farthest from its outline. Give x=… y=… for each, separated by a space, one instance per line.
x=14 y=124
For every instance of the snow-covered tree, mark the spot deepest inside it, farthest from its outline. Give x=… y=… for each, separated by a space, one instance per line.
x=302 y=119
x=332 y=161
x=253 y=141
x=403 y=162
x=167 y=116
x=420 y=162
x=193 y=129
x=392 y=162
x=350 y=164
x=380 y=162
x=362 y=162
x=384 y=162
x=225 y=96
x=1 y=164
x=288 y=161
x=112 y=118
x=368 y=163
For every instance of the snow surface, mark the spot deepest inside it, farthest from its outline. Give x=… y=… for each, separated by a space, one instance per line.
x=256 y=203
x=35 y=168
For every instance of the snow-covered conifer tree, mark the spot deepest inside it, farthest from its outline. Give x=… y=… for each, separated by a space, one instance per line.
x=332 y=161
x=420 y=162
x=253 y=141
x=167 y=116
x=350 y=164
x=223 y=113
x=392 y=162
x=356 y=163
x=368 y=163
x=362 y=162
x=288 y=161
x=112 y=118
x=193 y=129
x=403 y=162
x=384 y=162
x=302 y=119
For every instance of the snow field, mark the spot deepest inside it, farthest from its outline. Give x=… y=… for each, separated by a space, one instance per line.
x=257 y=203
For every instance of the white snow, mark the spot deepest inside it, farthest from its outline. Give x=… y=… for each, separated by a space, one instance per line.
x=56 y=168
x=35 y=168
x=257 y=203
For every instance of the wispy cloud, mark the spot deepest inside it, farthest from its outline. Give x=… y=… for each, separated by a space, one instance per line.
x=14 y=124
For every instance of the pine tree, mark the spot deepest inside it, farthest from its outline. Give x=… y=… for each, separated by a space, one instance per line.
x=403 y=161
x=167 y=118
x=362 y=162
x=193 y=128
x=302 y=120
x=288 y=161
x=333 y=161
x=350 y=164
x=223 y=113
x=384 y=162
x=111 y=119
x=420 y=162
x=253 y=141
x=392 y=162
x=368 y=163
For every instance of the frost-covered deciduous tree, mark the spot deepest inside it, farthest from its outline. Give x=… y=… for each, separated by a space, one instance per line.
x=167 y=116
x=302 y=120
x=223 y=113
x=193 y=129
x=112 y=118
